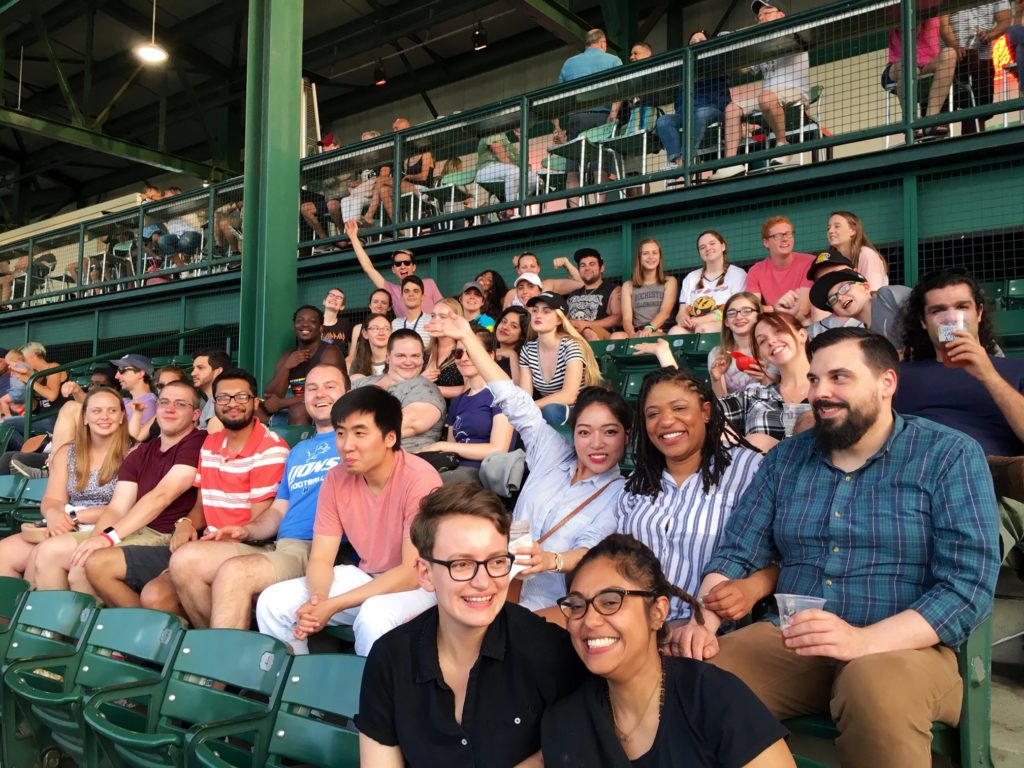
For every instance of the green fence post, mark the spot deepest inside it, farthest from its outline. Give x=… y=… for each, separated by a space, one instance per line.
x=911 y=260
x=271 y=191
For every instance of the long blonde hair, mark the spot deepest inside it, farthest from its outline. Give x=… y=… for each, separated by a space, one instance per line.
x=119 y=444
x=591 y=370
x=638 y=267
x=435 y=343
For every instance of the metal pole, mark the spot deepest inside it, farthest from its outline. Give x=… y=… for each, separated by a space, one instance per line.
x=271 y=191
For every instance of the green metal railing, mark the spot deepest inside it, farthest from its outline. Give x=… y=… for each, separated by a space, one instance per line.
x=105 y=357
x=843 y=44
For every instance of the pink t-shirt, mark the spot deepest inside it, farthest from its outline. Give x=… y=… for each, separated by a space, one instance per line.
x=772 y=283
x=870 y=264
x=926 y=46
x=376 y=524
x=431 y=295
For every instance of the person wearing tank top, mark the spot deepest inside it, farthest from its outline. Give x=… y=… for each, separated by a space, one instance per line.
x=283 y=394
x=649 y=296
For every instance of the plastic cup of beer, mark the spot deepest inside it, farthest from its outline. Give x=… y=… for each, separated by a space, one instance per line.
x=948 y=323
x=790 y=605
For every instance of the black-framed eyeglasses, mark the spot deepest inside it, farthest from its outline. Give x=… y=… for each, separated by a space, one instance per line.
x=842 y=290
x=239 y=397
x=463 y=569
x=128 y=369
x=405 y=263
x=606 y=602
x=741 y=312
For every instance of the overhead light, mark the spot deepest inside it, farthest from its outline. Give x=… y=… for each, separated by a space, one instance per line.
x=380 y=77
x=150 y=52
x=479 y=37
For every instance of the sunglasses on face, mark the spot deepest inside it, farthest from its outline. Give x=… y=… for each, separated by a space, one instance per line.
x=128 y=369
x=405 y=263
x=459 y=353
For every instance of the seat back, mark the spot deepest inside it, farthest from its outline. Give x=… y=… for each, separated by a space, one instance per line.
x=129 y=645
x=1014 y=298
x=313 y=724
x=6 y=430
x=293 y=433
x=12 y=592
x=598 y=133
x=222 y=673
x=52 y=622
x=641 y=120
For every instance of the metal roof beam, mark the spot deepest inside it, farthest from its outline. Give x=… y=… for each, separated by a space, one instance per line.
x=559 y=21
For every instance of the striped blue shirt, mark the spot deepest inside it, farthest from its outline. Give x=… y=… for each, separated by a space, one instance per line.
x=683 y=525
x=914 y=528
x=549 y=493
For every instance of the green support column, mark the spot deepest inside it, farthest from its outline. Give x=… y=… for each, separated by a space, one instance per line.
x=622 y=22
x=271 y=193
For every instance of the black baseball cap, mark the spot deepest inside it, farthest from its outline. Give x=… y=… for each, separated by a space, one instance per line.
x=583 y=253
x=550 y=299
x=830 y=258
x=755 y=7
x=824 y=284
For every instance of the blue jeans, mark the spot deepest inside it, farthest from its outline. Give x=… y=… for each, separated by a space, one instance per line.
x=187 y=243
x=556 y=414
x=670 y=130
x=18 y=422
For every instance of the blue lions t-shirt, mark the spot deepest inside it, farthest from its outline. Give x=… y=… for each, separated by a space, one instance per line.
x=307 y=465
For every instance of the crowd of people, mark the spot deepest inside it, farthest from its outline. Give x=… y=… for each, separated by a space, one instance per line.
x=465 y=474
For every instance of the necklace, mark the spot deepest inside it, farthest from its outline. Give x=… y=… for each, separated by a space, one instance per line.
x=627 y=736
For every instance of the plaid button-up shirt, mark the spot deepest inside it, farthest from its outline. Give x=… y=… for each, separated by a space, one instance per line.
x=914 y=528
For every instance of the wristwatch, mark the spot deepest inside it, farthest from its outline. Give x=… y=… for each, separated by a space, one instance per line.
x=558 y=562
x=111 y=535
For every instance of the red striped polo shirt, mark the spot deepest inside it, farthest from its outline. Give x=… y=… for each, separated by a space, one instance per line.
x=231 y=484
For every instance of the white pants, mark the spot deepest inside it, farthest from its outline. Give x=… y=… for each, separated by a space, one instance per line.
x=506 y=172
x=277 y=604
x=352 y=206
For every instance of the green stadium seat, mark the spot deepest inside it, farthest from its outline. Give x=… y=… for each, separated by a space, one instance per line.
x=11 y=488
x=217 y=675
x=6 y=430
x=1014 y=298
x=995 y=292
x=12 y=592
x=182 y=361
x=160 y=362
x=293 y=433
x=27 y=509
x=1009 y=327
x=313 y=722
x=51 y=624
x=966 y=745
x=126 y=647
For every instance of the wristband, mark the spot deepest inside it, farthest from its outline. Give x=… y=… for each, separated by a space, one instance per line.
x=650 y=327
x=181 y=520
x=111 y=535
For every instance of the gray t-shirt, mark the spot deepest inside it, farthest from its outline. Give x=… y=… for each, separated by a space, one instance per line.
x=417 y=390
x=885 y=312
x=207 y=413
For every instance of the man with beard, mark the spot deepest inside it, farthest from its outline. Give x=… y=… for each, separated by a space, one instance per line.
x=892 y=520
x=218 y=576
x=237 y=477
x=595 y=309
x=284 y=391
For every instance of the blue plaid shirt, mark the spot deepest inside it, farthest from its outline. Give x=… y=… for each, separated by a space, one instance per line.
x=914 y=527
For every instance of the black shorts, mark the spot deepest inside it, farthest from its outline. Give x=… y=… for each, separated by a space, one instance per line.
x=143 y=564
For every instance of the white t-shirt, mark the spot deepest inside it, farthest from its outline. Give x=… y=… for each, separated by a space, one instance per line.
x=734 y=282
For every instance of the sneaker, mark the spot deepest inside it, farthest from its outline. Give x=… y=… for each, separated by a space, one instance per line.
x=729 y=171
x=32 y=473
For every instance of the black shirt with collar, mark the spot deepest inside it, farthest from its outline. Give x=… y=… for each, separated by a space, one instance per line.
x=525 y=665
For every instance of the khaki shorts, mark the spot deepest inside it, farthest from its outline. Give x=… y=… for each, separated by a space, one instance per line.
x=785 y=96
x=287 y=556
x=144 y=537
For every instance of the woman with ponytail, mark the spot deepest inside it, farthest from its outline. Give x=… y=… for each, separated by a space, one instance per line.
x=555 y=365
x=705 y=290
x=640 y=707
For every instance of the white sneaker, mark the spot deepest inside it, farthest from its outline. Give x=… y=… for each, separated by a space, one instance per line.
x=729 y=171
x=785 y=160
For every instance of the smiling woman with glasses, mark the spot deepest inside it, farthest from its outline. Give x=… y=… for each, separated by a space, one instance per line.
x=640 y=708
x=467 y=681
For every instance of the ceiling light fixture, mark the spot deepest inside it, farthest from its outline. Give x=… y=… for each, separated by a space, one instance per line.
x=150 y=52
x=479 y=37
x=380 y=76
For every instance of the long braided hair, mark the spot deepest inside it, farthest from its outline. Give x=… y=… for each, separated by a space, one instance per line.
x=718 y=436
x=636 y=562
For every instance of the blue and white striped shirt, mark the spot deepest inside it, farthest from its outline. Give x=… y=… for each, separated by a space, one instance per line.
x=914 y=528
x=683 y=524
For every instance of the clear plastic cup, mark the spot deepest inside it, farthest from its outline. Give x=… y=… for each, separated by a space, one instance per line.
x=791 y=412
x=519 y=538
x=790 y=605
x=948 y=322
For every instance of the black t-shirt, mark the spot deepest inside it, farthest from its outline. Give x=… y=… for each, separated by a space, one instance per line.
x=338 y=334
x=710 y=718
x=525 y=665
x=590 y=303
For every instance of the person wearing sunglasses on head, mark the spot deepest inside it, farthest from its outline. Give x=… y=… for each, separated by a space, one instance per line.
x=403 y=264
x=468 y=680
x=640 y=708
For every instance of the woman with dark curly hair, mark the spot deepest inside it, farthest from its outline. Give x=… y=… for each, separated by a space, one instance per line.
x=640 y=708
x=494 y=291
x=691 y=469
